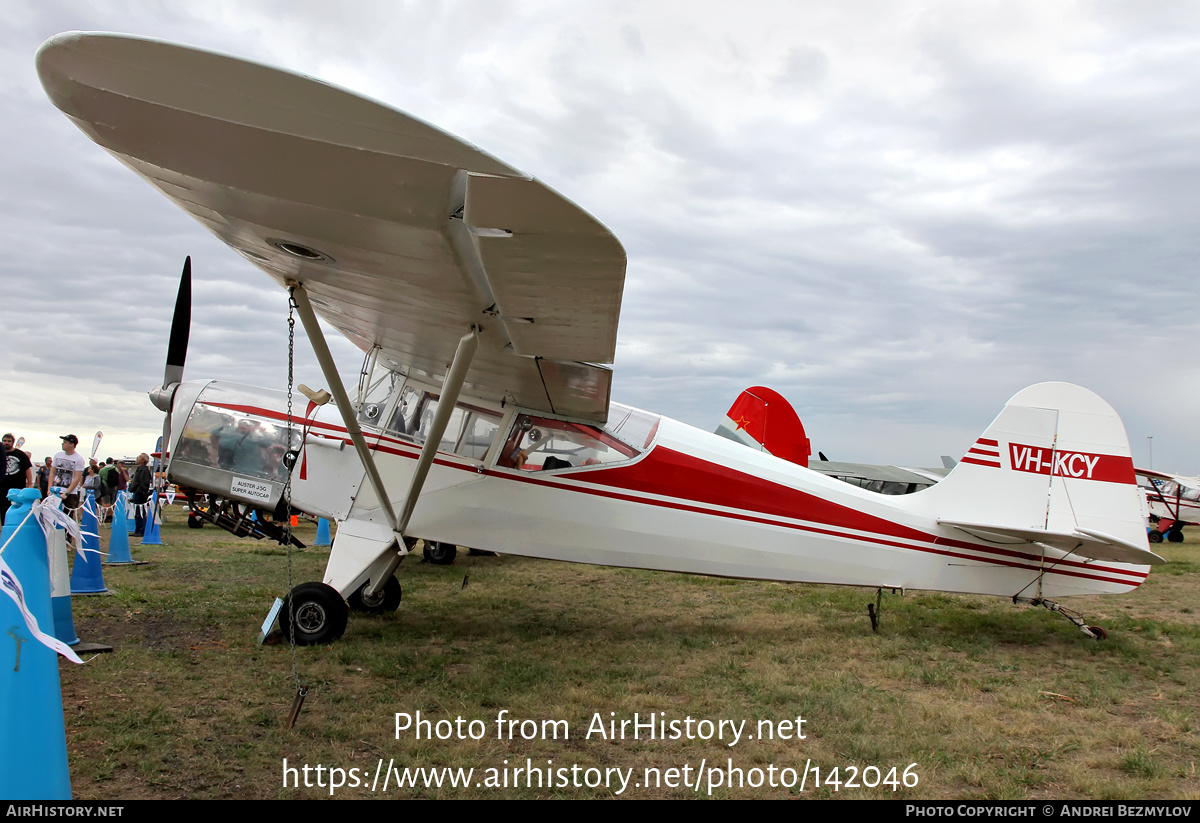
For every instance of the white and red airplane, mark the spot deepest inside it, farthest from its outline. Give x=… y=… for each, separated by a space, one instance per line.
x=1174 y=502
x=484 y=302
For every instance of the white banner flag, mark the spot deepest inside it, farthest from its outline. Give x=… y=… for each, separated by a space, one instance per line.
x=12 y=587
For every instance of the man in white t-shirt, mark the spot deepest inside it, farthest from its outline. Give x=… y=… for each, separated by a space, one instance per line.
x=67 y=474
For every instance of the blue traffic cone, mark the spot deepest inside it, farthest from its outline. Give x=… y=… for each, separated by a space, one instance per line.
x=33 y=739
x=118 y=538
x=60 y=588
x=130 y=523
x=87 y=576
x=323 y=533
x=150 y=536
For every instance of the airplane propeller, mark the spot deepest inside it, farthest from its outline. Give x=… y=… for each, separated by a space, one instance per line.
x=176 y=351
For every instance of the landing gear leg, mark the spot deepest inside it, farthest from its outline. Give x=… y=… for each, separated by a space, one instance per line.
x=1094 y=632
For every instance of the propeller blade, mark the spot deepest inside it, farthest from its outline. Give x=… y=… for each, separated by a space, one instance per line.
x=180 y=328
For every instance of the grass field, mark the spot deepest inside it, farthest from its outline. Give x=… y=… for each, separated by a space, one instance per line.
x=987 y=699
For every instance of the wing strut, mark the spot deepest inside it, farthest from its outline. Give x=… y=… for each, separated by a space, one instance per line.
x=451 y=387
x=329 y=369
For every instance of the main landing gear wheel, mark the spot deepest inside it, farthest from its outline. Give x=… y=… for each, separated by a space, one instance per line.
x=1175 y=536
x=319 y=611
x=440 y=554
x=385 y=601
x=1155 y=536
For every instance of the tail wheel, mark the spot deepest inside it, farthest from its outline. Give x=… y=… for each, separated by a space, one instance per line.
x=440 y=554
x=319 y=612
x=384 y=601
x=1097 y=632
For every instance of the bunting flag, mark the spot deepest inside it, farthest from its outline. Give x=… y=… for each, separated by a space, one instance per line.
x=12 y=587
x=51 y=516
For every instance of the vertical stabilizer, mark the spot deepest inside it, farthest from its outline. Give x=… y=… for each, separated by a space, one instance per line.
x=1054 y=467
x=762 y=419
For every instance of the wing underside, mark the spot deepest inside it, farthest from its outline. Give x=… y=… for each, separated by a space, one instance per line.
x=404 y=236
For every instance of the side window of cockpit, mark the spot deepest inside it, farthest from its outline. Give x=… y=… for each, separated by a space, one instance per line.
x=370 y=413
x=540 y=444
x=469 y=431
x=478 y=432
x=404 y=416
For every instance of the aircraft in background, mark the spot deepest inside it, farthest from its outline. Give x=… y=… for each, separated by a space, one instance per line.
x=1173 y=501
x=486 y=305
x=764 y=420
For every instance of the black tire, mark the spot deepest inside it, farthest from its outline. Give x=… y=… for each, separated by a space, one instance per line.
x=384 y=602
x=1175 y=536
x=1098 y=632
x=440 y=554
x=195 y=522
x=320 y=614
x=1155 y=536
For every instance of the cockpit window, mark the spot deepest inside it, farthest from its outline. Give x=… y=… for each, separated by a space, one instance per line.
x=543 y=444
x=404 y=417
x=634 y=426
x=370 y=413
x=469 y=432
x=237 y=442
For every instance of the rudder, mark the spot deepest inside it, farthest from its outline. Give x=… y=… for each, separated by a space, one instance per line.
x=763 y=419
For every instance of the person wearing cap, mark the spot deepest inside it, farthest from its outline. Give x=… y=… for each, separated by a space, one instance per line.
x=67 y=479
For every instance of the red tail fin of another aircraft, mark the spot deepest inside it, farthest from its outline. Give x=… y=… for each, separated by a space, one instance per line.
x=763 y=419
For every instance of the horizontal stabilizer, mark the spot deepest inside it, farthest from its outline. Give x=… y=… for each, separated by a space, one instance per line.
x=1085 y=542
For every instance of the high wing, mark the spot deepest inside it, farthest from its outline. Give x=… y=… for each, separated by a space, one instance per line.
x=1178 y=478
x=404 y=236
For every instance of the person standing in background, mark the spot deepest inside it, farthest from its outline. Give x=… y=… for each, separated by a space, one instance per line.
x=139 y=488
x=67 y=473
x=43 y=476
x=18 y=471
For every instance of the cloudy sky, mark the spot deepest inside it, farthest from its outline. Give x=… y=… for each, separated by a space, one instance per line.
x=897 y=214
